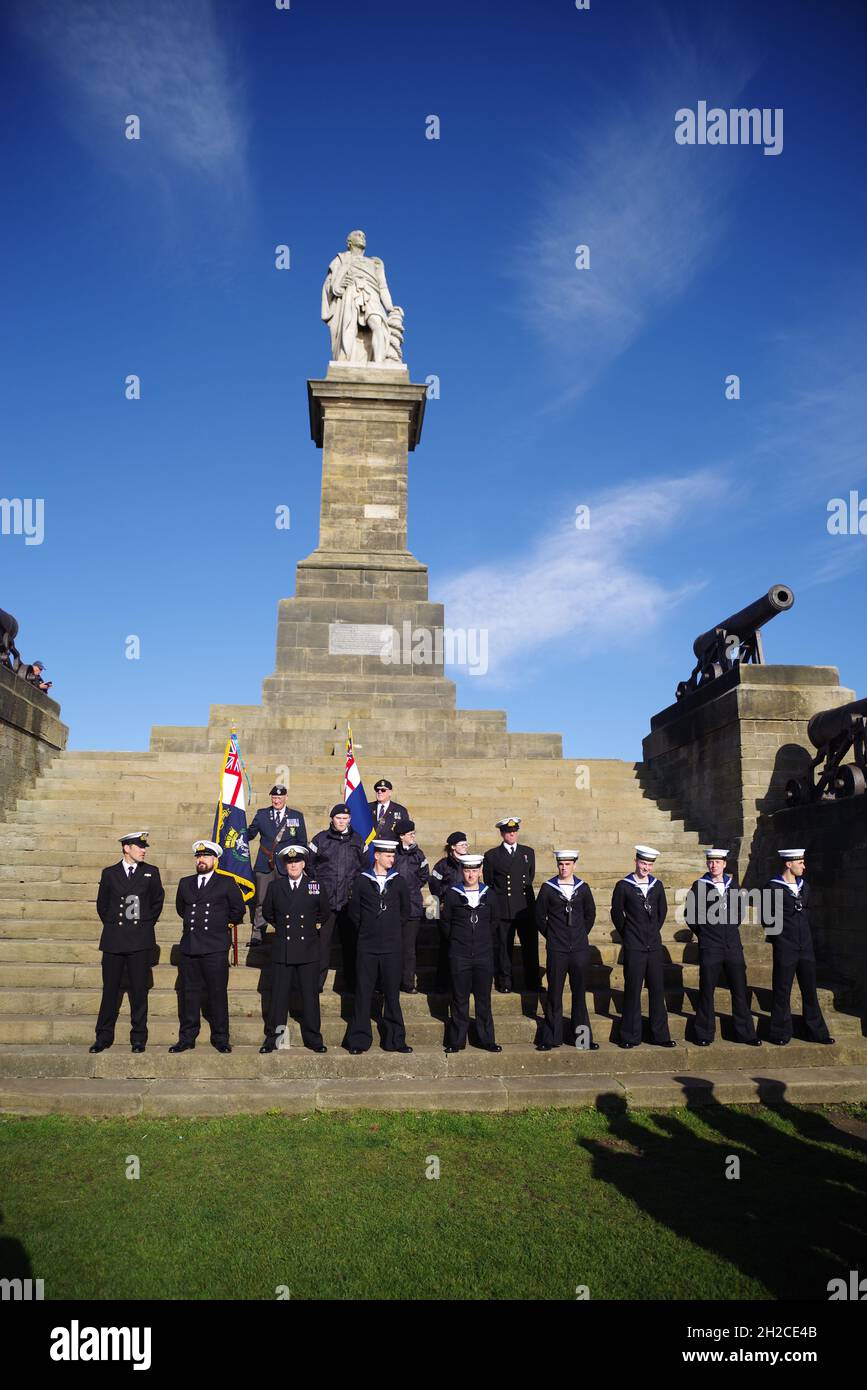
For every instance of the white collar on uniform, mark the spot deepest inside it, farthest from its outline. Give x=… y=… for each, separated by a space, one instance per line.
x=794 y=888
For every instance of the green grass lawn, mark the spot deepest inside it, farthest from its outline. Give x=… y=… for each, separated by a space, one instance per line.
x=527 y=1205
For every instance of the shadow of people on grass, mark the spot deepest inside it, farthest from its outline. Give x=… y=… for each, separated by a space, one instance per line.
x=793 y=1219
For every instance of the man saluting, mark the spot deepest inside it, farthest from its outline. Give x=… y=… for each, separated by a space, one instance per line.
x=129 y=903
x=210 y=904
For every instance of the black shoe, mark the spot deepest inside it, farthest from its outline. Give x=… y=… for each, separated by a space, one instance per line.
x=668 y=1043
x=408 y=989
x=406 y=1048
x=355 y=1051
x=826 y=1041
x=702 y=1042
x=627 y=1046
x=493 y=1047
x=780 y=1042
x=321 y=1048
x=222 y=1047
x=182 y=1047
x=504 y=989
x=268 y=1047
x=137 y=1047
x=99 y=1047
x=592 y=1047
x=452 y=1049
x=752 y=1042
x=544 y=1047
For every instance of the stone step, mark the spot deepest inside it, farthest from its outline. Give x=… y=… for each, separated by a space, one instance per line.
x=71 y=1058
x=57 y=1004
x=640 y=1090
x=61 y=950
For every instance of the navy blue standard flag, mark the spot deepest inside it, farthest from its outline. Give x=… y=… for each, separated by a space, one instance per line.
x=230 y=822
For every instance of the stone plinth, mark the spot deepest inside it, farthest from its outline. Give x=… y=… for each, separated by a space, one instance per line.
x=723 y=755
x=366 y=421
x=31 y=733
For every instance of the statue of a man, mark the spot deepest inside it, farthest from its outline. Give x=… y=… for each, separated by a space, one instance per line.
x=364 y=324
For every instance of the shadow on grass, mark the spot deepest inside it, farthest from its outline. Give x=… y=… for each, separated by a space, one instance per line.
x=794 y=1218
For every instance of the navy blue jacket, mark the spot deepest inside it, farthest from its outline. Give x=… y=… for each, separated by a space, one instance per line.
x=295 y=913
x=638 y=919
x=795 y=941
x=714 y=917
x=208 y=914
x=264 y=824
x=378 y=917
x=129 y=908
x=565 y=925
x=471 y=931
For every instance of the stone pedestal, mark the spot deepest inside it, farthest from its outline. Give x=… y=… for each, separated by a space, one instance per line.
x=723 y=755
x=361 y=585
x=31 y=734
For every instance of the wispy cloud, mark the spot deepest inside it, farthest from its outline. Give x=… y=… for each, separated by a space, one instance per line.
x=164 y=61
x=652 y=212
x=582 y=588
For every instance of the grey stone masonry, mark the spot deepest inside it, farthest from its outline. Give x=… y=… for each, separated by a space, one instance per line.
x=360 y=642
x=723 y=755
x=31 y=734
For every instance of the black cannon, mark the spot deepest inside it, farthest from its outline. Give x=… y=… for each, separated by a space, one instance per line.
x=834 y=732
x=736 y=639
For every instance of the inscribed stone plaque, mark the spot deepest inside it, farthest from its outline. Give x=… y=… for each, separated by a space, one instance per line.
x=358 y=639
x=380 y=511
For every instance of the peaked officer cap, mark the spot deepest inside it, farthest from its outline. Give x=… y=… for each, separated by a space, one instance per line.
x=136 y=837
x=206 y=847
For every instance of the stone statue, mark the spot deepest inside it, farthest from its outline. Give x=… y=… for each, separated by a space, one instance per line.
x=364 y=324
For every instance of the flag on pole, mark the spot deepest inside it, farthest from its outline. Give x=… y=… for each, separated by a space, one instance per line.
x=361 y=818
x=230 y=821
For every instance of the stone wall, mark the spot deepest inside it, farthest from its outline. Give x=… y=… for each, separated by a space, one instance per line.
x=723 y=755
x=30 y=735
x=834 y=835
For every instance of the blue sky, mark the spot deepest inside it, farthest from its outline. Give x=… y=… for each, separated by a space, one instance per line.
x=559 y=387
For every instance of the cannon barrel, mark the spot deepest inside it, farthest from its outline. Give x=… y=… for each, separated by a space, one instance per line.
x=829 y=724
x=748 y=621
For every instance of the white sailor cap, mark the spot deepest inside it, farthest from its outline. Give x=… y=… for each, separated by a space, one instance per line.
x=509 y=823
x=565 y=854
x=206 y=847
x=293 y=852
x=645 y=852
x=791 y=853
x=385 y=845
x=136 y=837
x=716 y=854
x=470 y=861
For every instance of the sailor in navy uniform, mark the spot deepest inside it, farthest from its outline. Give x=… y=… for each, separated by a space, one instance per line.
x=210 y=905
x=509 y=869
x=713 y=912
x=389 y=817
x=444 y=873
x=379 y=907
x=638 y=910
x=786 y=919
x=470 y=922
x=294 y=906
x=129 y=903
x=277 y=825
x=565 y=913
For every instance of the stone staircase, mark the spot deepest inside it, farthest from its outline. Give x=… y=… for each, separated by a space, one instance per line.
x=59 y=836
